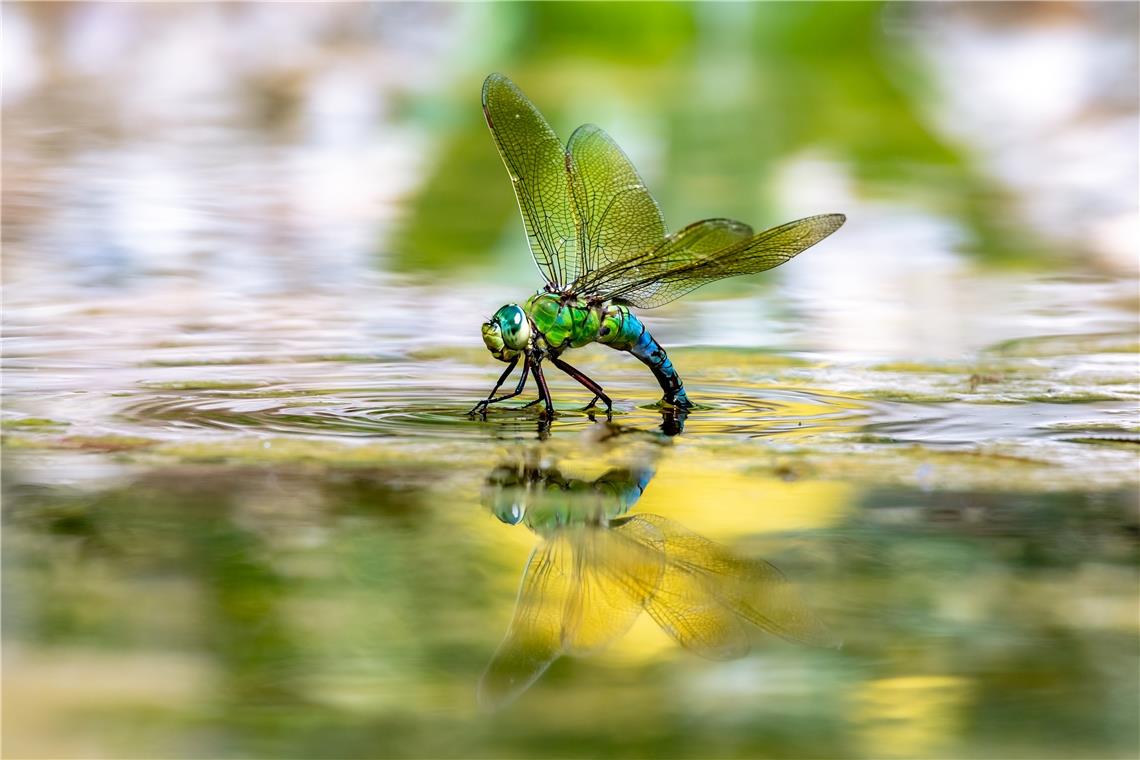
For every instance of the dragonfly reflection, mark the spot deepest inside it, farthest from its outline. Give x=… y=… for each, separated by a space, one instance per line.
x=596 y=568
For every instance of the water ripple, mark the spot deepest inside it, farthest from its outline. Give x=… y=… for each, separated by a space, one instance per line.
x=734 y=411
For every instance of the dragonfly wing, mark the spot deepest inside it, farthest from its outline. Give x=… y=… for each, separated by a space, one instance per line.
x=752 y=589
x=536 y=161
x=684 y=605
x=694 y=242
x=534 y=638
x=705 y=252
x=613 y=579
x=617 y=217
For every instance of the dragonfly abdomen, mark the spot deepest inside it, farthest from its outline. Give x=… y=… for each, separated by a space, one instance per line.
x=623 y=331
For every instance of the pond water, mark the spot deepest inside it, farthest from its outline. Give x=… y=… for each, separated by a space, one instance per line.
x=247 y=515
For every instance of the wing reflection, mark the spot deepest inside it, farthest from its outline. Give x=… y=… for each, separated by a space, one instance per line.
x=596 y=568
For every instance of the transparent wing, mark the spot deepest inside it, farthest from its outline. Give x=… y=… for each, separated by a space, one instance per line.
x=582 y=589
x=536 y=161
x=702 y=253
x=617 y=217
x=684 y=605
x=613 y=579
x=534 y=638
x=752 y=589
x=695 y=241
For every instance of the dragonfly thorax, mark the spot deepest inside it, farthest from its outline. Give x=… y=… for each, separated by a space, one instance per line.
x=563 y=321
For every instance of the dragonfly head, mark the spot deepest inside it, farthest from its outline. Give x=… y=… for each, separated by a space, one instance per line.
x=507 y=332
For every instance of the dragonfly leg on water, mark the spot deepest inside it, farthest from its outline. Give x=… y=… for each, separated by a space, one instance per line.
x=518 y=388
x=481 y=407
x=586 y=382
x=543 y=391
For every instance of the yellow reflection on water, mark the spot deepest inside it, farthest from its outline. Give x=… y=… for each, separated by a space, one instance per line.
x=724 y=503
x=908 y=716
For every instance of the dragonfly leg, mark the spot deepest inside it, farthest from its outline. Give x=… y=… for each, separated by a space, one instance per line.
x=481 y=407
x=518 y=387
x=586 y=382
x=543 y=390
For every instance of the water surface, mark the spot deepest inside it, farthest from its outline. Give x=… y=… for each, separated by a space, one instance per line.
x=246 y=514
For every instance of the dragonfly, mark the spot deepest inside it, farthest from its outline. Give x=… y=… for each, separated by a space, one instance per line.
x=597 y=568
x=598 y=238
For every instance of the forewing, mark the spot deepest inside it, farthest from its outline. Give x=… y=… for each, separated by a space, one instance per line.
x=617 y=217
x=691 y=258
x=534 y=638
x=535 y=159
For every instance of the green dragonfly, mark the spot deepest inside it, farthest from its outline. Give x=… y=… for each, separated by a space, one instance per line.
x=599 y=240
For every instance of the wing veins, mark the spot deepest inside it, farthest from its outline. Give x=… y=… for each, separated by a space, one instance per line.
x=532 y=154
x=683 y=262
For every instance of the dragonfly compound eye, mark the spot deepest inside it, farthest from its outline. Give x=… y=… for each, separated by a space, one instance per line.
x=513 y=325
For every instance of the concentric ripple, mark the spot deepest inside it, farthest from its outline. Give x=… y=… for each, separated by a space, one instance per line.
x=725 y=410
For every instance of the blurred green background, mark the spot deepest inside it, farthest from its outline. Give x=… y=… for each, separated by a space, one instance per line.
x=716 y=100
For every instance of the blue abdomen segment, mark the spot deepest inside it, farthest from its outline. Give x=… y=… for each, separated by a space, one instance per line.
x=622 y=330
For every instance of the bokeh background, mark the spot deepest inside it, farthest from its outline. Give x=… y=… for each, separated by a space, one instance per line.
x=246 y=250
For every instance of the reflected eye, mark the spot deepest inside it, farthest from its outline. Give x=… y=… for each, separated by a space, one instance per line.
x=511 y=514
